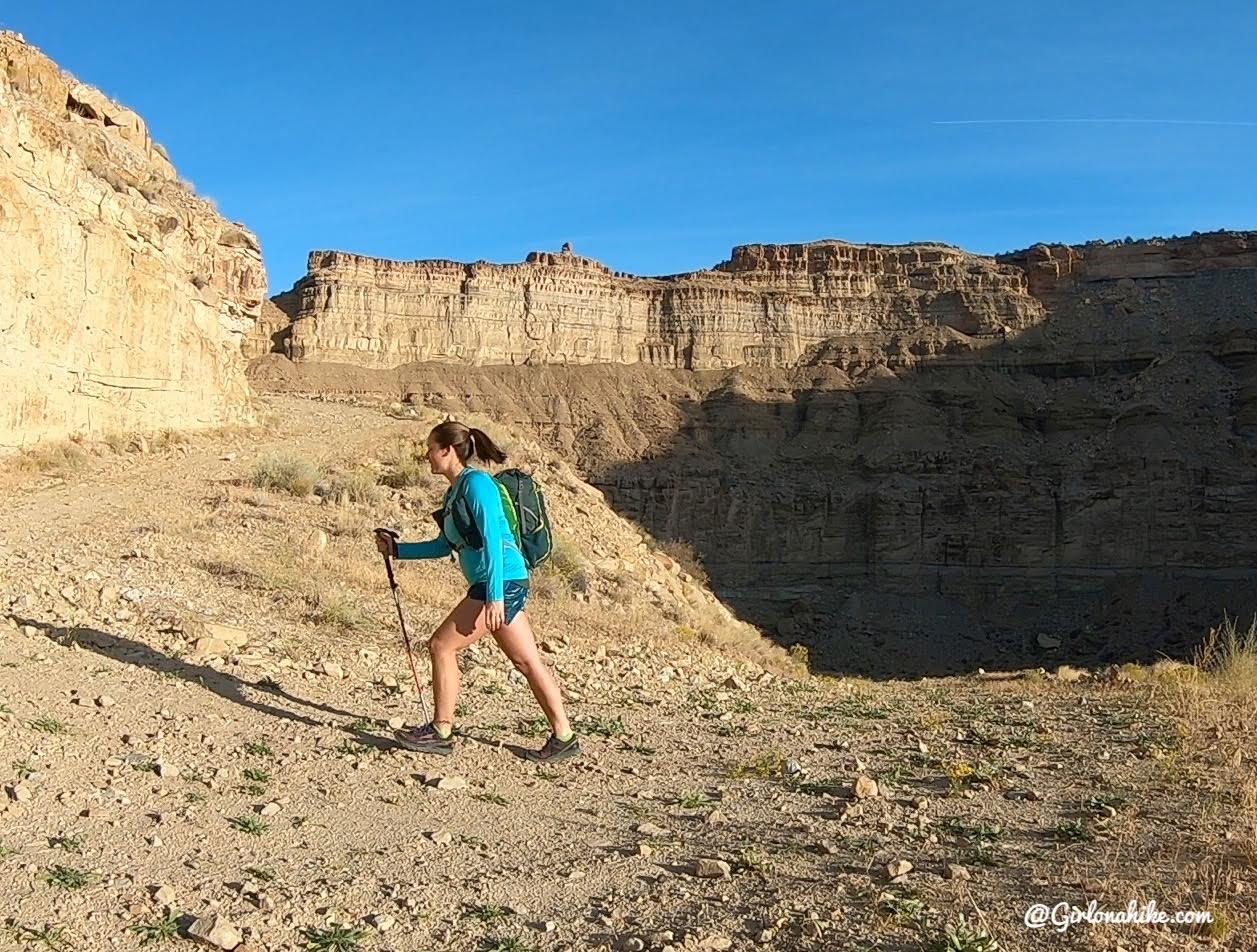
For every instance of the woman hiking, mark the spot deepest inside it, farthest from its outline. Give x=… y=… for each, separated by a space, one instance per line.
x=498 y=580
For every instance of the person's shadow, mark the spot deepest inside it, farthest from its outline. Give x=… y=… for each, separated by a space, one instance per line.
x=226 y=686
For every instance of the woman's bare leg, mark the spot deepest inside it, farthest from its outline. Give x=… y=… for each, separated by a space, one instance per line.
x=519 y=644
x=462 y=627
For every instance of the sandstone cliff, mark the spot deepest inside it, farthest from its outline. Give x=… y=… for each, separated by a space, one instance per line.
x=764 y=306
x=123 y=297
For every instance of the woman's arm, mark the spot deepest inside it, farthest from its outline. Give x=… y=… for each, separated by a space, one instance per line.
x=431 y=549
x=486 y=503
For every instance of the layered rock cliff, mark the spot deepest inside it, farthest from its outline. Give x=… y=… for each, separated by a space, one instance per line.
x=763 y=307
x=123 y=296
x=922 y=499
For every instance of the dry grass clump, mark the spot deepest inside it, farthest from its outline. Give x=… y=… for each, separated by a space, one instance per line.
x=684 y=554
x=53 y=458
x=405 y=464
x=286 y=472
x=357 y=485
x=566 y=566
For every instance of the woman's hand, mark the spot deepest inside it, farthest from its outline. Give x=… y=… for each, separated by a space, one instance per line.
x=494 y=615
x=385 y=543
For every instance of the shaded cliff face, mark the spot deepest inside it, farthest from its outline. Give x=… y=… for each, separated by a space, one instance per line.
x=933 y=501
x=123 y=297
x=763 y=307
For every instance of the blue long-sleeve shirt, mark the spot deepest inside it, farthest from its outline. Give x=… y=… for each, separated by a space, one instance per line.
x=500 y=560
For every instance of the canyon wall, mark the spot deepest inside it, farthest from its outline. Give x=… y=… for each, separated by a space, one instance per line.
x=765 y=306
x=124 y=298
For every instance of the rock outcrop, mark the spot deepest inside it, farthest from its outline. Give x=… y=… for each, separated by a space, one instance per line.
x=929 y=500
x=123 y=296
x=763 y=307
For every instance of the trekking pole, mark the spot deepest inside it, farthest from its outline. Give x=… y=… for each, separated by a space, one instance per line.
x=392 y=583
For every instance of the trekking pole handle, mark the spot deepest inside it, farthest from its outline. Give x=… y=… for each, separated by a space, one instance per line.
x=393 y=536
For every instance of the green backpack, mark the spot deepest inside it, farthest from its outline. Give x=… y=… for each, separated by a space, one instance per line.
x=525 y=509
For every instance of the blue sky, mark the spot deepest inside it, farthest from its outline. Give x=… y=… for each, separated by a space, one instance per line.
x=655 y=136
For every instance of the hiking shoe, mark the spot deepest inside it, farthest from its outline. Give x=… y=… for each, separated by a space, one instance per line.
x=554 y=749
x=424 y=740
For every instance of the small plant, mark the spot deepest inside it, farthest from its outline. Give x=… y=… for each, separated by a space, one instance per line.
x=1073 y=831
x=703 y=700
x=257 y=748
x=1100 y=804
x=602 y=726
x=505 y=945
x=67 y=877
x=195 y=796
x=285 y=472
x=24 y=768
x=335 y=939
x=765 y=766
x=251 y=789
x=962 y=937
x=192 y=774
x=360 y=725
x=5 y=709
x=535 y=727
x=691 y=801
x=644 y=749
x=48 y=725
x=144 y=766
x=260 y=874
x=167 y=927
x=982 y=830
x=50 y=937
x=7 y=851
x=353 y=748
x=337 y=610
x=248 y=824
x=69 y=844
x=488 y=913
x=959 y=774
x=907 y=910
x=256 y=775
x=982 y=853
x=752 y=860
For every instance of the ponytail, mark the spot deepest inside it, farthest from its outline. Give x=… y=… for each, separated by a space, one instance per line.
x=467 y=442
x=484 y=448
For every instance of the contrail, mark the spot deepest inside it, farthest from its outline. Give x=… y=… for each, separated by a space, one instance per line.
x=1158 y=122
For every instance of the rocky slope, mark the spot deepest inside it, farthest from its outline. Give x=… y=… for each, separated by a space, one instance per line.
x=123 y=296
